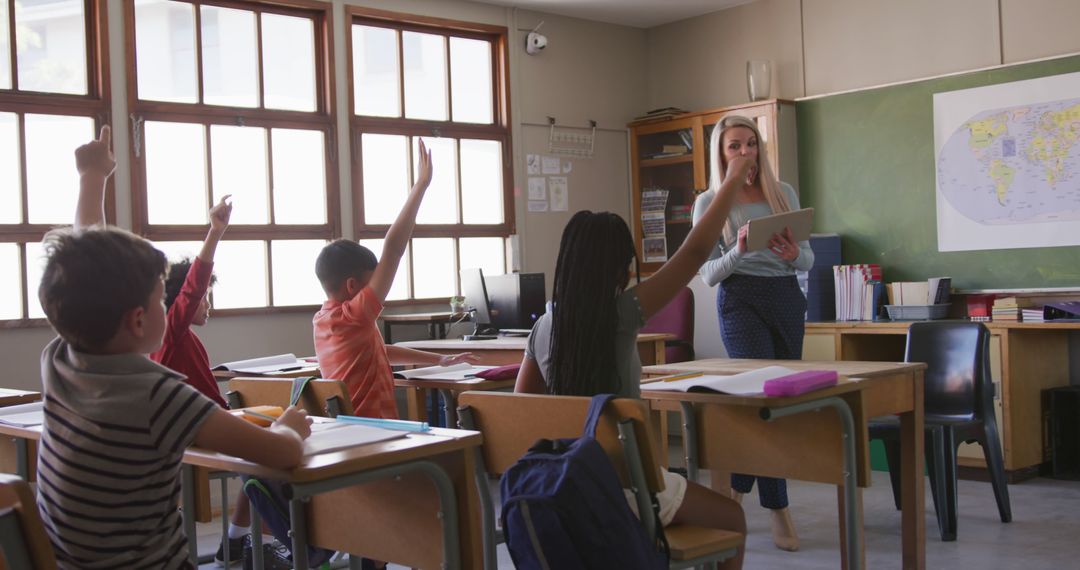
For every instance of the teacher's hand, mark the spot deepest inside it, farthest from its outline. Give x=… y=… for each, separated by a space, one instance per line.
x=783 y=244
x=741 y=244
x=739 y=167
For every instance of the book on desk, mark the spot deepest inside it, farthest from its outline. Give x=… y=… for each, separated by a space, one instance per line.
x=267 y=364
x=456 y=372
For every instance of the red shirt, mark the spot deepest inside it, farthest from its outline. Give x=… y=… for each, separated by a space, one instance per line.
x=181 y=350
x=350 y=348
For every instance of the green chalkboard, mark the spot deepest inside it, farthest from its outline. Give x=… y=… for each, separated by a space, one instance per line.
x=866 y=166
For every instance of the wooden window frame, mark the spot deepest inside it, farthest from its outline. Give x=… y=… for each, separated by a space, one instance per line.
x=499 y=130
x=323 y=119
x=95 y=104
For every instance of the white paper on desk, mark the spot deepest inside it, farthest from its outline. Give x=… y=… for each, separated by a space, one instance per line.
x=23 y=415
x=337 y=435
x=265 y=364
x=749 y=383
x=456 y=372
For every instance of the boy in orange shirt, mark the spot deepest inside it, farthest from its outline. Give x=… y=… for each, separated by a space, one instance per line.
x=347 y=340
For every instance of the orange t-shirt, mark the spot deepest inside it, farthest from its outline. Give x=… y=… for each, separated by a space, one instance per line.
x=350 y=348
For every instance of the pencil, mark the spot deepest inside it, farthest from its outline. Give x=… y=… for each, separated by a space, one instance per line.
x=270 y=419
x=674 y=377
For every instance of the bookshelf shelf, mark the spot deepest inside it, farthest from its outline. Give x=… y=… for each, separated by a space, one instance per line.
x=666 y=161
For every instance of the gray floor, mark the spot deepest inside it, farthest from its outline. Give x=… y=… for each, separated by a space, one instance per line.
x=1043 y=535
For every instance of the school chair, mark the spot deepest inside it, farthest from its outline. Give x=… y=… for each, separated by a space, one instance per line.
x=959 y=407
x=318 y=397
x=676 y=318
x=511 y=424
x=23 y=543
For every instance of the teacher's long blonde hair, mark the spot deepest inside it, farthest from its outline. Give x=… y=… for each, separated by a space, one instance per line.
x=770 y=186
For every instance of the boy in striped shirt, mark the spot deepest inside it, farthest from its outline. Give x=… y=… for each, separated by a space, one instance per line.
x=116 y=423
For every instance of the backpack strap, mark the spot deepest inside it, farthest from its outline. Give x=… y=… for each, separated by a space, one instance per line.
x=596 y=409
x=298 y=386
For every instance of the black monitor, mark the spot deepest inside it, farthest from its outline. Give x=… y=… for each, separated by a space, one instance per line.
x=472 y=287
x=515 y=301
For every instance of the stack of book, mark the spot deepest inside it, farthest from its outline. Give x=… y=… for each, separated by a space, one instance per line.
x=1034 y=315
x=820 y=286
x=859 y=291
x=669 y=150
x=663 y=113
x=1007 y=309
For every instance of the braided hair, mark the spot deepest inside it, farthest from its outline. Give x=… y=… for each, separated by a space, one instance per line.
x=592 y=270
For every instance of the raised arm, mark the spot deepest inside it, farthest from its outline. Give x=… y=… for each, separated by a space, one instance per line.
x=655 y=292
x=94 y=161
x=399 y=355
x=401 y=230
x=219 y=222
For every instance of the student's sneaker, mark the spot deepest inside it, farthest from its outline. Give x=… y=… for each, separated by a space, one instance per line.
x=236 y=551
x=275 y=555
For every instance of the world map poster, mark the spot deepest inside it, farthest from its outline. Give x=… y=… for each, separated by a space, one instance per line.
x=1007 y=161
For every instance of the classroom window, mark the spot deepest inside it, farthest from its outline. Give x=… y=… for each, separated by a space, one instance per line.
x=444 y=83
x=53 y=97
x=235 y=98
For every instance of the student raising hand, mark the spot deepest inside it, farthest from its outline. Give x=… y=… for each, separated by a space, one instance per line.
x=94 y=161
x=96 y=157
x=423 y=172
x=220 y=214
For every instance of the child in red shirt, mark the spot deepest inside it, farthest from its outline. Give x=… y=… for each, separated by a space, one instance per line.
x=347 y=340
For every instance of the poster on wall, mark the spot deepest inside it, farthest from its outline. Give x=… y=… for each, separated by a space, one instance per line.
x=1007 y=165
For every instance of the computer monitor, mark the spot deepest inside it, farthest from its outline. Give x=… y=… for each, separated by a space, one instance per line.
x=515 y=300
x=472 y=287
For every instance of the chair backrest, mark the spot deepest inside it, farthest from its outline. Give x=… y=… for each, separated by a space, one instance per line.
x=278 y=391
x=676 y=318
x=957 y=383
x=512 y=423
x=23 y=542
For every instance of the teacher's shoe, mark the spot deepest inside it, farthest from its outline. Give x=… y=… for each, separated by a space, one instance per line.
x=783 y=530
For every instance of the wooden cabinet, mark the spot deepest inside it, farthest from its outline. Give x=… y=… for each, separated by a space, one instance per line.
x=1025 y=359
x=673 y=155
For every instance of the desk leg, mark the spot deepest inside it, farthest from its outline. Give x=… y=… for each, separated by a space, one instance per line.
x=22 y=458
x=387 y=339
x=856 y=515
x=449 y=402
x=416 y=403
x=187 y=494
x=912 y=498
x=298 y=518
x=256 y=539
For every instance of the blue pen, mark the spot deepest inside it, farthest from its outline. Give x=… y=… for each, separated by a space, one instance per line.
x=403 y=425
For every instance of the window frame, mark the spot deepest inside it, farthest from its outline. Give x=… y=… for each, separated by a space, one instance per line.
x=499 y=130
x=323 y=118
x=96 y=105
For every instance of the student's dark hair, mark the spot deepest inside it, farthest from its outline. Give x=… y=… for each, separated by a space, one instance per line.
x=92 y=278
x=593 y=265
x=174 y=281
x=340 y=260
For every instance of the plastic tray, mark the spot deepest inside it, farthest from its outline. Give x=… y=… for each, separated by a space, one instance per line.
x=917 y=312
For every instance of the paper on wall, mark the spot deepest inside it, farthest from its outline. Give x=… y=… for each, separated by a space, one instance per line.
x=537 y=188
x=550 y=165
x=560 y=199
x=532 y=164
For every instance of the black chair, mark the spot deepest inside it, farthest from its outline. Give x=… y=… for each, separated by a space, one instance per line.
x=959 y=408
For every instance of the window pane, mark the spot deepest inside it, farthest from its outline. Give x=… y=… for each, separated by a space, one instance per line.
x=230 y=59
x=376 y=86
x=165 y=51
x=489 y=254
x=35 y=266
x=50 y=41
x=52 y=183
x=238 y=164
x=440 y=200
x=240 y=267
x=400 y=289
x=5 y=49
x=10 y=183
x=425 y=76
x=299 y=176
x=481 y=182
x=434 y=267
x=288 y=47
x=386 y=175
x=177 y=250
x=175 y=173
x=470 y=80
x=10 y=282
x=294 y=277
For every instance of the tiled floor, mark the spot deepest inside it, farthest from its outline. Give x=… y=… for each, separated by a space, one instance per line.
x=1043 y=535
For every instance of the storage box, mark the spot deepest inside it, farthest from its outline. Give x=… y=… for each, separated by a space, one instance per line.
x=917 y=312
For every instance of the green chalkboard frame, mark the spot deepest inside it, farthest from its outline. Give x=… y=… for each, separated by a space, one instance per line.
x=866 y=166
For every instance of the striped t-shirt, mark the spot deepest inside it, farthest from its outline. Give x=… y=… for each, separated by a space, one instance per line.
x=115 y=431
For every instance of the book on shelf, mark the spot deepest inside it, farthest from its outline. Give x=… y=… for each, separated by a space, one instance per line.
x=854 y=301
x=933 y=291
x=674 y=149
x=680 y=213
x=661 y=113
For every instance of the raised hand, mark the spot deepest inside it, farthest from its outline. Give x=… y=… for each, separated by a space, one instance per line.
x=423 y=173
x=297 y=420
x=451 y=359
x=739 y=167
x=220 y=214
x=96 y=157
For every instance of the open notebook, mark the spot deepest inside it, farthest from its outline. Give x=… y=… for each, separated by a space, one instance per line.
x=266 y=364
x=23 y=415
x=750 y=383
x=329 y=435
x=456 y=372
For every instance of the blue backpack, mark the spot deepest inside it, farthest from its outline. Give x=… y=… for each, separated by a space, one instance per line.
x=563 y=508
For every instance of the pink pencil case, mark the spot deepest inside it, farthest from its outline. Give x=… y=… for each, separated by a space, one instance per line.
x=800 y=383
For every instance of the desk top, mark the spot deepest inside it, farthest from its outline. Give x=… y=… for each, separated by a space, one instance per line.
x=421 y=317
x=455 y=385
x=902 y=326
x=501 y=343
x=11 y=397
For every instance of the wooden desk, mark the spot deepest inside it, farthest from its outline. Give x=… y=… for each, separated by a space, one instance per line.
x=415 y=498
x=1025 y=359
x=10 y=397
x=498 y=352
x=810 y=446
x=437 y=323
x=11 y=455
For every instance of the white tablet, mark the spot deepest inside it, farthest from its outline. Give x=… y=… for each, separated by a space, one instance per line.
x=761 y=229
